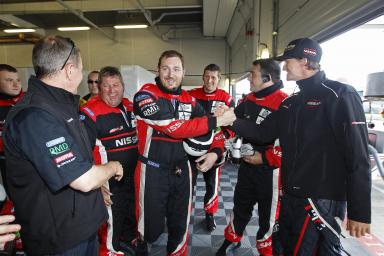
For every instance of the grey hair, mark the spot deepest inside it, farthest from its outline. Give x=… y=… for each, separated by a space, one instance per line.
x=313 y=65
x=50 y=53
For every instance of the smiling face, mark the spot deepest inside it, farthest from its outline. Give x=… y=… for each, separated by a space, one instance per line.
x=111 y=90
x=211 y=80
x=171 y=72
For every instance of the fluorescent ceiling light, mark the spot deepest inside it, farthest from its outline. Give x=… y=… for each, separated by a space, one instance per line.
x=73 y=28
x=130 y=26
x=19 y=30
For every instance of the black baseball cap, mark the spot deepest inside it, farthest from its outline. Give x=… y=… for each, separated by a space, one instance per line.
x=302 y=48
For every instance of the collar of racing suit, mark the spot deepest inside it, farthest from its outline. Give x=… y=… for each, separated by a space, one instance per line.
x=56 y=94
x=4 y=96
x=311 y=83
x=162 y=88
x=270 y=89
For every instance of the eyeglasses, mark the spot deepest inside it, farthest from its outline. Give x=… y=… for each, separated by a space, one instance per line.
x=93 y=81
x=69 y=55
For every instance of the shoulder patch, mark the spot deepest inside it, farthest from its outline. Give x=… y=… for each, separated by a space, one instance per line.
x=90 y=112
x=141 y=97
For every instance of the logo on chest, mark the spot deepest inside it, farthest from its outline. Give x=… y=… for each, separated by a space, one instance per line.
x=216 y=104
x=185 y=111
x=314 y=103
x=262 y=115
x=126 y=141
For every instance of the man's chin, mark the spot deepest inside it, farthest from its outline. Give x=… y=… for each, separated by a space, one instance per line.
x=173 y=88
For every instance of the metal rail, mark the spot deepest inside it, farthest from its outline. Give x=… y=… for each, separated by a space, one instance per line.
x=375 y=155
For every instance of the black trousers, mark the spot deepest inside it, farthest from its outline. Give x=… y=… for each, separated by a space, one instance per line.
x=308 y=226
x=164 y=195
x=211 y=180
x=256 y=185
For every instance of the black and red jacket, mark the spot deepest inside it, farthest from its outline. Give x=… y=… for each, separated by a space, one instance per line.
x=112 y=132
x=6 y=103
x=256 y=106
x=210 y=101
x=164 y=119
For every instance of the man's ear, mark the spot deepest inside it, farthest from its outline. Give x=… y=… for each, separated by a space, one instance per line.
x=68 y=70
x=184 y=72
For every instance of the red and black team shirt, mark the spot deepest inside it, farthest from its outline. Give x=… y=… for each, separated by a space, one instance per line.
x=210 y=101
x=112 y=131
x=256 y=107
x=164 y=119
x=6 y=103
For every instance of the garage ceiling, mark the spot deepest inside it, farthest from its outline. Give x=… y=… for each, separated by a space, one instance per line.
x=179 y=14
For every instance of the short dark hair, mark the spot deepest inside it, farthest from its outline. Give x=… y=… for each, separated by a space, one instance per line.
x=170 y=54
x=269 y=67
x=93 y=72
x=109 y=71
x=51 y=53
x=212 y=67
x=6 y=67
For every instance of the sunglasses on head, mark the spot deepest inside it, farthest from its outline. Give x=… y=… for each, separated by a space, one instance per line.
x=69 y=55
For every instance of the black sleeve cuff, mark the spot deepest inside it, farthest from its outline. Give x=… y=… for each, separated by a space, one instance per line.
x=217 y=151
x=212 y=123
x=264 y=158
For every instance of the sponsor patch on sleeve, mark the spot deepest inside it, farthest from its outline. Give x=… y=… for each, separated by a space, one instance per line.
x=90 y=112
x=64 y=159
x=141 y=97
x=54 y=142
x=150 y=109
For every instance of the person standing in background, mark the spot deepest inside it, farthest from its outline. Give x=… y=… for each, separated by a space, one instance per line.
x=93 y=87
x=209 y=96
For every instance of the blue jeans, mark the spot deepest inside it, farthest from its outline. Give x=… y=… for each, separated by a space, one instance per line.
x=85 y=248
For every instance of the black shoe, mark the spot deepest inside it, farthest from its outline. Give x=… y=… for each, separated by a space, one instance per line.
x=210 y=222
x=141 y=248
x=127 y=248
x=223 y=248
x=221 y=252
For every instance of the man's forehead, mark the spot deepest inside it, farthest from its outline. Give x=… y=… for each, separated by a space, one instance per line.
x=111 y=79
x=8 y=73
x=171 y=61
x=255 y=68
x=211 y=73
x=93 y=75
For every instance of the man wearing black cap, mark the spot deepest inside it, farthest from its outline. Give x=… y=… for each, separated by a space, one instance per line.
x=325 y=165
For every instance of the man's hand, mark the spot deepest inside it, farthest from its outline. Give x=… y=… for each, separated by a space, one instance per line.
x=206 y=162
x=7 y=230
x=358 y=229
x=106 y=195
x=220 y=110
x=226 y=119
x=117 y=169
x=254 y=159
